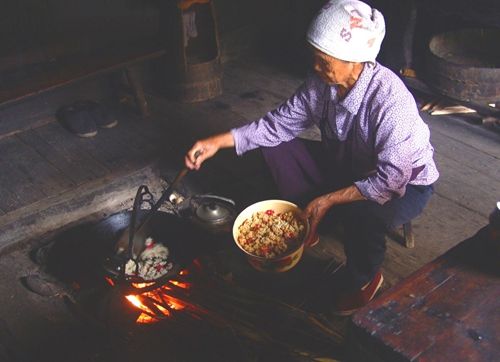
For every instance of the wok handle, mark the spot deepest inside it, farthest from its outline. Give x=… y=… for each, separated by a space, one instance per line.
x=143 y=190
x=168 y=191
x=139 y=199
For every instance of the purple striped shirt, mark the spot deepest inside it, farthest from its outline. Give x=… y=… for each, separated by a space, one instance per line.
x=389 y=140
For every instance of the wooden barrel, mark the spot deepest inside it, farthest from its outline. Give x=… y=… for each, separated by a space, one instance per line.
x=465 y=64
x=198 y=70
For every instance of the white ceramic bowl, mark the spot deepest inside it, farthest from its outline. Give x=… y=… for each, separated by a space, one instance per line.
x=282 y=262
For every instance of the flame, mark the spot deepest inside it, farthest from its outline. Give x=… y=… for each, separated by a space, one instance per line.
x=160 y=302
x=180 y=284
x=142 y=285
x=134 y=299
x=145 y=319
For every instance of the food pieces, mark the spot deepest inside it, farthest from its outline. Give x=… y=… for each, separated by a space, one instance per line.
x=269 y=234
x=152 y=263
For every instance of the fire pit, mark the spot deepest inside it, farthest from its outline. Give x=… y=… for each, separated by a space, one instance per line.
x=84 y=257
x=202 y=302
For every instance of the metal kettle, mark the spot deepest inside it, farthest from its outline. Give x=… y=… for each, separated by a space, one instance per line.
x=212 y=213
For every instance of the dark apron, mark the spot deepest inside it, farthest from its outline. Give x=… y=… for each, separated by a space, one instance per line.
x=337 y=153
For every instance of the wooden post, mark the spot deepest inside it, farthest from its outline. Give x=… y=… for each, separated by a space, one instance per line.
x=135 y=83
x=408 y=235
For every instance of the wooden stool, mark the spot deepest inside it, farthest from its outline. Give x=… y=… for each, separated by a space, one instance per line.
x=409 y=238
x=406 y=237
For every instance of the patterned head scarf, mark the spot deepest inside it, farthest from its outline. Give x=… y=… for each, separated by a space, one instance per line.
x=349 y=30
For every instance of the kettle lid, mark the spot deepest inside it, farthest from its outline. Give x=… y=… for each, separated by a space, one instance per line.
x=213 y=212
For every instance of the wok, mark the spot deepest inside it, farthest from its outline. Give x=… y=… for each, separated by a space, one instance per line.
x=82 y=254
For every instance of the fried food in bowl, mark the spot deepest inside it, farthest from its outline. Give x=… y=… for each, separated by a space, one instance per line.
x=271 y=233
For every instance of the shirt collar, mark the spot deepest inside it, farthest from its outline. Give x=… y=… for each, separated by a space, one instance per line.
x=355 y=97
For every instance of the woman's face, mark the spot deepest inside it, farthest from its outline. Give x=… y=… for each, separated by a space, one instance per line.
x=332 y=70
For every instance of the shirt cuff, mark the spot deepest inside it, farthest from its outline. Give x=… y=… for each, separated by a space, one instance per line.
x=240 y=144
x=367 y=189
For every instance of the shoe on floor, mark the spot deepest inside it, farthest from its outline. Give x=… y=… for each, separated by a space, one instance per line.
x=347 y=303
x=77 y=122
x=101 y=115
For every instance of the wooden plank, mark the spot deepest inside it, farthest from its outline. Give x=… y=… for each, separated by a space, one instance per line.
x=121 y=147
x=474 y=136
x=165 y=136
x=38 y=111
x=102 y=196
x=196 y=120
x=155 y=129
x=6 y=199
x=17 y=181
x=44 y=175
x=465 y=186
x=70 y=147
x=251 y=105
x=421 y=318
x=467 y=153
x=280 y=84
x=440 y=227
x=38 y=78
x=250 y=97
x=77 y=175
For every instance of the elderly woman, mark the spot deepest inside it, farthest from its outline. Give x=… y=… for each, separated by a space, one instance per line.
x=374 y=167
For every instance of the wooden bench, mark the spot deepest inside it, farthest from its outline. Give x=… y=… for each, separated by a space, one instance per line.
x=32 y=79
x=446 y=311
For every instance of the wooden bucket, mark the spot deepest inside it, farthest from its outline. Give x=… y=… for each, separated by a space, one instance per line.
x=198 y=69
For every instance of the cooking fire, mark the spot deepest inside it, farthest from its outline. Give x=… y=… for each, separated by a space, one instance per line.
x=165 y=300
x=197 y=293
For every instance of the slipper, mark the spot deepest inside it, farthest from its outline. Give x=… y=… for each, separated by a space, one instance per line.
x=101 y=115
x=77 y=122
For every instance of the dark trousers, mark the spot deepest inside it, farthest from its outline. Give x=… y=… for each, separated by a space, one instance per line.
x=300 y=170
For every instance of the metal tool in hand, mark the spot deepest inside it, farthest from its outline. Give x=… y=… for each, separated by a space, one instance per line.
x=132 y=239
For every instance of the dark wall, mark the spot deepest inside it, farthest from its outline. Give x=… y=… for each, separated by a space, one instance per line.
x=34 y=30
x=37 y=31
x=404 y=46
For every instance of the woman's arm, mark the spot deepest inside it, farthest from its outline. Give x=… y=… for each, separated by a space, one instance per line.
x=317 y=208
x=207 y=148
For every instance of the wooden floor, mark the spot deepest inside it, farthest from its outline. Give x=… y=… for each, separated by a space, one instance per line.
x=46 y=170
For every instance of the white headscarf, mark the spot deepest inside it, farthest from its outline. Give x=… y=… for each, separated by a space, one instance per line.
x=349 y=30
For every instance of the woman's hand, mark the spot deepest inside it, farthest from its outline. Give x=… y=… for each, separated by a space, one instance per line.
x=206 y=148
x=317 y=208
x=315 y=211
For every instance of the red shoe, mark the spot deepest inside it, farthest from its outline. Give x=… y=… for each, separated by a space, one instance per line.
x=347 y=303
